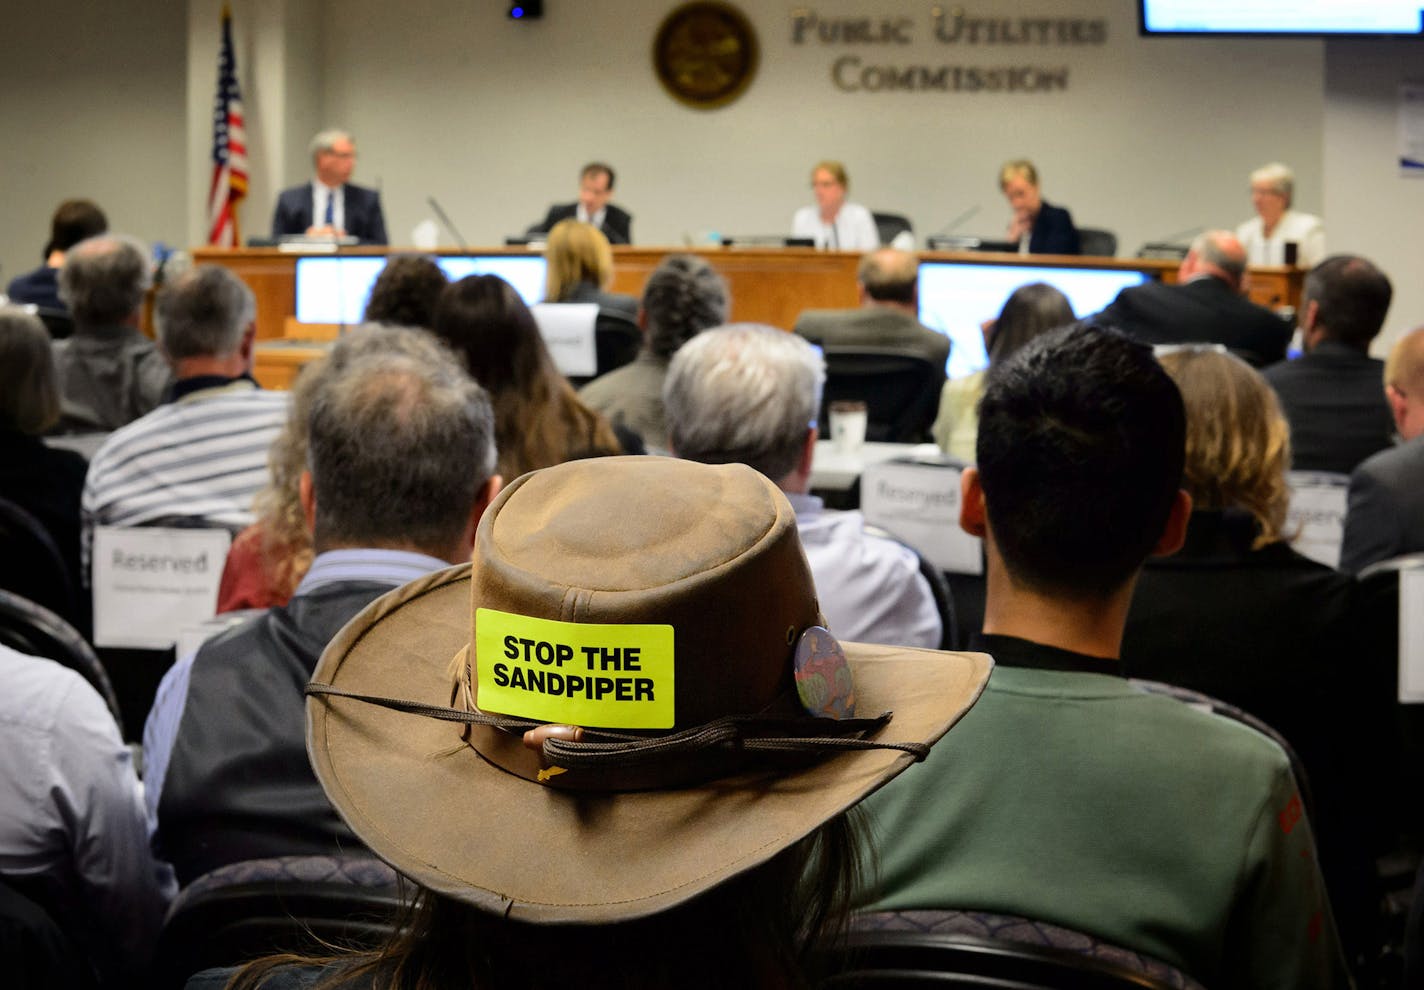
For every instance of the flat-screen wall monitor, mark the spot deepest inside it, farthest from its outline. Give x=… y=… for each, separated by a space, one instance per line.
x=957 y=299
x=1285 y=17
x=335 y=289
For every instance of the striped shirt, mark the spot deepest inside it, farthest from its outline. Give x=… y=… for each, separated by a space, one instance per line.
x=202 y=457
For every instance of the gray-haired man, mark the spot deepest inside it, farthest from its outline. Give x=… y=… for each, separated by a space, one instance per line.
x=330 y=204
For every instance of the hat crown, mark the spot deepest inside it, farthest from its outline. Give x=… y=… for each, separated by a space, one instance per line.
x=710 y=551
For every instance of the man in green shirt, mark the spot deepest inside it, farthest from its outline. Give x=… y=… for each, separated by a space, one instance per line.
x=1069 y=796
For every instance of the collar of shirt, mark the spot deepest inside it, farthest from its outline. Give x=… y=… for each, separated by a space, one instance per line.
x=186 y=387
x=806 y=507
x=393 y=567
x=596 y=219
x=1010 y=651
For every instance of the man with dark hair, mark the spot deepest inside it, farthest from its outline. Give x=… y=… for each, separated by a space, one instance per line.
x=1072 y=796
x=593 y=206
x=74 y=220
x=889 y=303
x=201 y=456
x=331 y=205
x=110 y=374
x=401 y=454
x=682 y=297
x=1205 y=306
x=1331 y=394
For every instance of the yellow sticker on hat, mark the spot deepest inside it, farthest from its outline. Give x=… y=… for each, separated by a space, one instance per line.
x=595 y=674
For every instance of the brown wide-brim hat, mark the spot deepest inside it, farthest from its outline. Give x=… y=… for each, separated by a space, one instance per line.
x=612 y=544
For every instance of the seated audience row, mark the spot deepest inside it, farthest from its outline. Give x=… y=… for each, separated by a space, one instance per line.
x=74 y=220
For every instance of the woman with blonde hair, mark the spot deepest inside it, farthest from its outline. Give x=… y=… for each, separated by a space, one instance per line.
x=834 y=223
x=539 y=420
x=580 y=266
x=1239 y=615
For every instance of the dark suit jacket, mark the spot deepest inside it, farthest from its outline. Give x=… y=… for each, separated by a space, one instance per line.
x=1334 y=399
x=1201 y=311
x=874 y=326
x=617 y=223
x=1386 y=514
x=1053 y=232
x=364 y=218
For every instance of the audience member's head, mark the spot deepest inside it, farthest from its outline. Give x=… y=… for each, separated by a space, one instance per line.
x=577 y=254
x=29 y=387
x=401 y=453
x=206 y=312
x=1080 y=450
x=74 y=220
x=104 y=279
x=1404 y=383
x=888 y=275
x=286 y=538
x=1345 y=299
x=1217 y=253
x=746 y=394
x=539 y=420
x=406 y=292
x=1031 y=310
x=1238 y=441
x=682 y=297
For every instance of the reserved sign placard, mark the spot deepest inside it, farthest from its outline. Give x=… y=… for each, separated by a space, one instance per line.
x=151 y=584
x=919 y=503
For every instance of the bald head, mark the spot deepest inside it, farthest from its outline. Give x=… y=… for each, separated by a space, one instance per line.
x=1404 y=383
x=888 y=276
x=1217 y=253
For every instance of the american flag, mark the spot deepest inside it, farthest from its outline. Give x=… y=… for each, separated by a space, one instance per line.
x=229 y=148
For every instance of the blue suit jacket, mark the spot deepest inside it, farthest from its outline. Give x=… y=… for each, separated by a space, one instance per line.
x=1053 y=232
x=364 y=218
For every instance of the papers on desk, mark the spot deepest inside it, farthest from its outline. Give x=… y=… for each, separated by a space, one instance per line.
x=918 y=501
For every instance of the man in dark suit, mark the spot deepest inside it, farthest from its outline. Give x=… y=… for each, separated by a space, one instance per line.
x=1047 y=229
x=1331 y=394
x=1386 y=508
x=1206 y=305
x=887 y=317
x=593 y=206
x=329 y=204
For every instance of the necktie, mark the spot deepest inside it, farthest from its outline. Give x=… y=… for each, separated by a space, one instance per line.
x=330 y=207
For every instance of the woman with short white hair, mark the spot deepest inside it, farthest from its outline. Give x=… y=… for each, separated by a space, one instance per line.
x=1267 y=237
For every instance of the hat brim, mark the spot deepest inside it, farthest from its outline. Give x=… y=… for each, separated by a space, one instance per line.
x=436 y=811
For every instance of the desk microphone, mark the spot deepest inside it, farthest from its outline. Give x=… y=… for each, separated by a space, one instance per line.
x=958 y=221
x=448 y=224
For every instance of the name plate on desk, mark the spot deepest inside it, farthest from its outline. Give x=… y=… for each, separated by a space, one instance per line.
x=1317 y=514
x=151 y=583
x=568 y=332
x=919 y=502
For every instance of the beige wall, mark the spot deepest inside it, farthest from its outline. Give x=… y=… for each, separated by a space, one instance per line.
x=92 y=106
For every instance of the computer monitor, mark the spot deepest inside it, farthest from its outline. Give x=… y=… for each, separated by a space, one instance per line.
x=1281 y=17
x=335 y=289
x=956 y=299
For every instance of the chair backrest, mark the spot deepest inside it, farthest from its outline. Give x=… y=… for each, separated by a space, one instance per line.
x=900 y=390
x=939 y=589
x=898 y=950
x=35 y=630
x=616 y=340
x=285 y=904
x=32 y=566
x=891 y=225
x=35 y=952
x=1097 y=242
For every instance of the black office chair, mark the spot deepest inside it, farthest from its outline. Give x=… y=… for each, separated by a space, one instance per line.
x=1097 y=242
x=900 y=950
x=33 y=629
x=939 y=589
x=284 y=904
x=57 y=321
x=36 y=953
x=891 y=225
x=900 y=389
x=32 y=567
